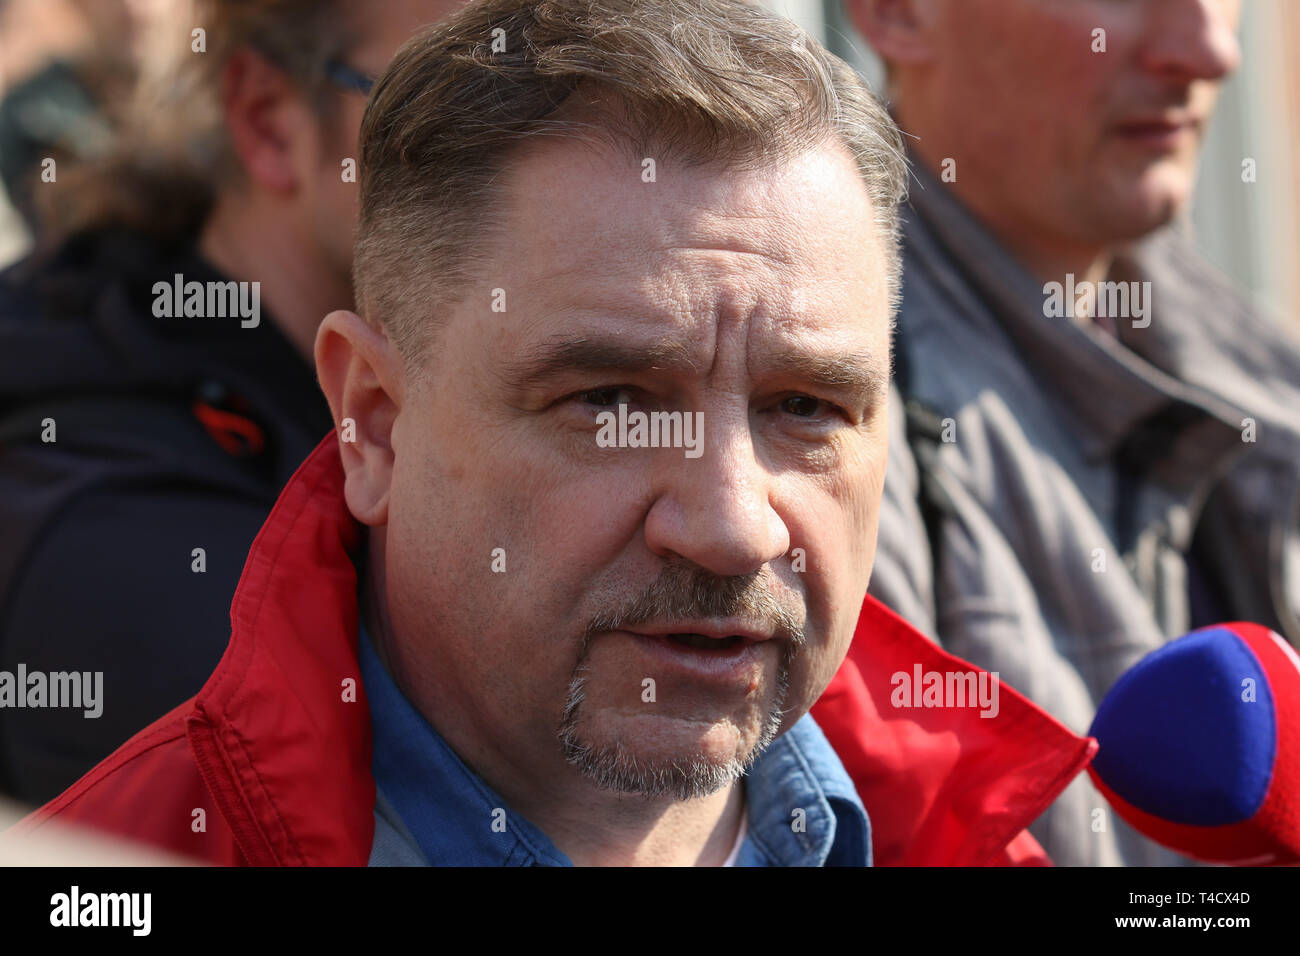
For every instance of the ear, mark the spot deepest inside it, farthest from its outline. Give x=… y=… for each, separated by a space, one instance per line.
x=263 y=113
x=900 y=31
x=363 y=378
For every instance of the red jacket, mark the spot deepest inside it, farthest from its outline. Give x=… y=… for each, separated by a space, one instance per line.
x=270 y=763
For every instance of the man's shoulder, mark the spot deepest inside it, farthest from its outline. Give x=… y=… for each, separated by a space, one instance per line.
x=94 y=376
x=112 y=471
x=951 y=352
x=126 y=527
x=149 y=790
x=1207 y=331
x=91 y=514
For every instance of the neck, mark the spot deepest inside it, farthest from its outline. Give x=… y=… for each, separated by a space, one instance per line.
x=591 y=827
x=1046 y=254
x=596 y=828
x=248 y=239
x=1049 y=259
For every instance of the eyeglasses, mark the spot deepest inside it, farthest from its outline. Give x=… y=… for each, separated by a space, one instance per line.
x=349 y=79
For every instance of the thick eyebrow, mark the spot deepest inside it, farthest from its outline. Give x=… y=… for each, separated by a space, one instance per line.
x=859 y=373
x=593 y=355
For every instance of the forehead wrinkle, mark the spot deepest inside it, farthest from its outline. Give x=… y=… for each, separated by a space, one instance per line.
x=775 y=255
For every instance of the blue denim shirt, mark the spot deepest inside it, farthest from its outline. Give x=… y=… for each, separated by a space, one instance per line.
x=431 y=809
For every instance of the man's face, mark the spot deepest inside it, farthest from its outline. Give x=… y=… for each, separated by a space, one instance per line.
x=331 y=201
x=534 y=577
x=1050 y=137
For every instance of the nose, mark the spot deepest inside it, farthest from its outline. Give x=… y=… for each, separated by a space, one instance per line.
x=715 y=511
x=1189 y=40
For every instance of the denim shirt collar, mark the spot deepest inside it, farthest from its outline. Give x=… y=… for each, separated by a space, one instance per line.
x=426 y=793
x=803 y=808
x=432 y=809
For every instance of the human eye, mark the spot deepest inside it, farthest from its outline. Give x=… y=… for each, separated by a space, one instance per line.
x=605 y=396
x=809 y=408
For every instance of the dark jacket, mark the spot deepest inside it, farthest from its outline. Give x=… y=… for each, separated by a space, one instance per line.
x=170 y=435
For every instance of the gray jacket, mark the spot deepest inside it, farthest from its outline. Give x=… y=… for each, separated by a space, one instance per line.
x=1086 y=500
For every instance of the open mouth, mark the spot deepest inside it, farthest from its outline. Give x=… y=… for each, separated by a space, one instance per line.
x=1159 y=133
x=732 y=658
x=703 y=642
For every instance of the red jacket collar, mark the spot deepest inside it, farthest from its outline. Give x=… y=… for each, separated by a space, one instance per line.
x=284 y=747
x=943 y=786
x=281 y=743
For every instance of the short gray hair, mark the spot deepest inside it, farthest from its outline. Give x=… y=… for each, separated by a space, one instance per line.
x=707 y=81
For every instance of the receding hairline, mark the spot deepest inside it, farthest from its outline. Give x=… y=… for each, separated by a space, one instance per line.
x=749 y=105
x=592 y=123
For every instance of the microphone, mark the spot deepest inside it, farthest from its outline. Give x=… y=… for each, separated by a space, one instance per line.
x=1200 y=746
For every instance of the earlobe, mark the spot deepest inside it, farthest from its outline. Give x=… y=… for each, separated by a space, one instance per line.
x=362 y=378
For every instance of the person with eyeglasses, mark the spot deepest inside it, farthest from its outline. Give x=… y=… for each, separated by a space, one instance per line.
x=145 y=434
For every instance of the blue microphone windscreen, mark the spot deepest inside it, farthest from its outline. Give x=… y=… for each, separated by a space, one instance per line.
x=1190 y=733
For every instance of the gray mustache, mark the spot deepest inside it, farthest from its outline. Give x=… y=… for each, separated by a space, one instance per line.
x=682 y=592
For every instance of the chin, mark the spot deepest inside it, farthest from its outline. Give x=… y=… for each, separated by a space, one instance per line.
x=1151 y=202
x=664 y=756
